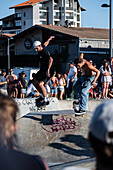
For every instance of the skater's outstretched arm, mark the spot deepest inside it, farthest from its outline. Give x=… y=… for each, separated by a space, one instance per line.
x=47 y=42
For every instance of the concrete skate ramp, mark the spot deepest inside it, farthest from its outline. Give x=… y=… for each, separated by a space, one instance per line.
x=28 y=105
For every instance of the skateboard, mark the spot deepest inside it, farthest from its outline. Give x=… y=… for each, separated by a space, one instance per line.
x=76 y=109
x=39 y=107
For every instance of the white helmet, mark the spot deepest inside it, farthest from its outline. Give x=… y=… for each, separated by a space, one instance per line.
x=36 y=44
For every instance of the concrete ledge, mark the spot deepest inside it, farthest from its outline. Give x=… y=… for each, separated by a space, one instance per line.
x=28 y=105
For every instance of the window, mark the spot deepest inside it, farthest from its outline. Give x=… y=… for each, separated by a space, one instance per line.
x=18 y=23
x=24 y=14
x=24 y=22
x=18 y=15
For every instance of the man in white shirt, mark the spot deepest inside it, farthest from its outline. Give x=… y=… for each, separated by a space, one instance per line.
x=72 y=78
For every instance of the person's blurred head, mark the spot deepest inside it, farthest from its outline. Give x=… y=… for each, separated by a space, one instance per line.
x=8 y=110
x=11 y=71
x=101 y=135
x=78 y=62
x=3 y=72
x=71 y=64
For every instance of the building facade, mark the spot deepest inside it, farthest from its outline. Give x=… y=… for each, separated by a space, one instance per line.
x=43 y=12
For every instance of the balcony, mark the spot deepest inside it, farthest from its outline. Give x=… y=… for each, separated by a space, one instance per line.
x=11 y=27
x=42 y=8
x=57 y=17
x=69 y=17
x=43 y=17
x=69 y=8
x=57 y=8
x=17 y=16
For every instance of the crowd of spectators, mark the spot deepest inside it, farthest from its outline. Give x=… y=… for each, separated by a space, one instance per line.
x=59 y=85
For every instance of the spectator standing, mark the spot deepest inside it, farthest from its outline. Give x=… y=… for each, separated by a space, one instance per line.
x=10 y=156
x=53 y=85
x=61 y=84
x=105 y=79
x=23 y=83
x=72 y=78
x=101 y=135
x=3 y=82
x=12 y=84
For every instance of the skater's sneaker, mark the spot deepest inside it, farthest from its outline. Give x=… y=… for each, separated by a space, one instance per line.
x=39 y=99
x=79 y=112
x=76 y=102
x=44 y=103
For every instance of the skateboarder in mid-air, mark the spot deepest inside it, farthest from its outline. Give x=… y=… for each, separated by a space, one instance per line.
x=44 y=74
x=81 y=89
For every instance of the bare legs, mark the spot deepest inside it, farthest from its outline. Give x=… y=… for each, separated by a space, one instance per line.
x=105 y=86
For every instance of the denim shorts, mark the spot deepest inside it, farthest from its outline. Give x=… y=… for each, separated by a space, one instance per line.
x=23 y=90
x=54 y=91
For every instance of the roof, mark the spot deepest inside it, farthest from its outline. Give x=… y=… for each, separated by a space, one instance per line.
x=26 y=3
x=81 y=32
x=32 y=2
x=8 y=35
x=9 y=17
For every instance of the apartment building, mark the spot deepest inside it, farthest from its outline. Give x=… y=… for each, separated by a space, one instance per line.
x=43 y=12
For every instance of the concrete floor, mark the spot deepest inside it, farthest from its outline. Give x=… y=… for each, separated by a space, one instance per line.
x=59 y=139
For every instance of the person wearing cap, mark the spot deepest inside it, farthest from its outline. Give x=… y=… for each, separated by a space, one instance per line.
x=72 y=78
x=84 y=83
x=3 y=83
x=101 y=135
x=46 y=69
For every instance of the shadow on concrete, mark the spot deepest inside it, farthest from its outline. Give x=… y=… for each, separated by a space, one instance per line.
x=45 y=120
x=79 y=141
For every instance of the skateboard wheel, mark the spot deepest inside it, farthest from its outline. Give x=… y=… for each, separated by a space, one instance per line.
x=45 y=108
x=82 y=115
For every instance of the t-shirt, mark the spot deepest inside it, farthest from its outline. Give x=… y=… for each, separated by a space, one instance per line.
x=23 y=82
x=72 y=72
x=3 y=86
x=44 y=59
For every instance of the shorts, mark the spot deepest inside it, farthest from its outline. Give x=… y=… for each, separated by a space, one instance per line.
x=23 y=90
x=54 y=91
x=41 y=77
x=106 y=79
x=61 y=89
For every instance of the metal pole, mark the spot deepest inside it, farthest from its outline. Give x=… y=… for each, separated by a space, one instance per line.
x=110 y=33
x=8 y=53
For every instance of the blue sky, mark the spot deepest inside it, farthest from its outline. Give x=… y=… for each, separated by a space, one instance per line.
x=95 y=16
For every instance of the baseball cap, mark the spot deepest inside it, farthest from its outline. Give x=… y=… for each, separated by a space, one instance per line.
x=23 y=72
x=36 y=44
x=101 y=125
x=71 y=62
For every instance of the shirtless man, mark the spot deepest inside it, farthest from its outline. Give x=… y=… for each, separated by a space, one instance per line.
x=44 y=74
x=84 y=83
